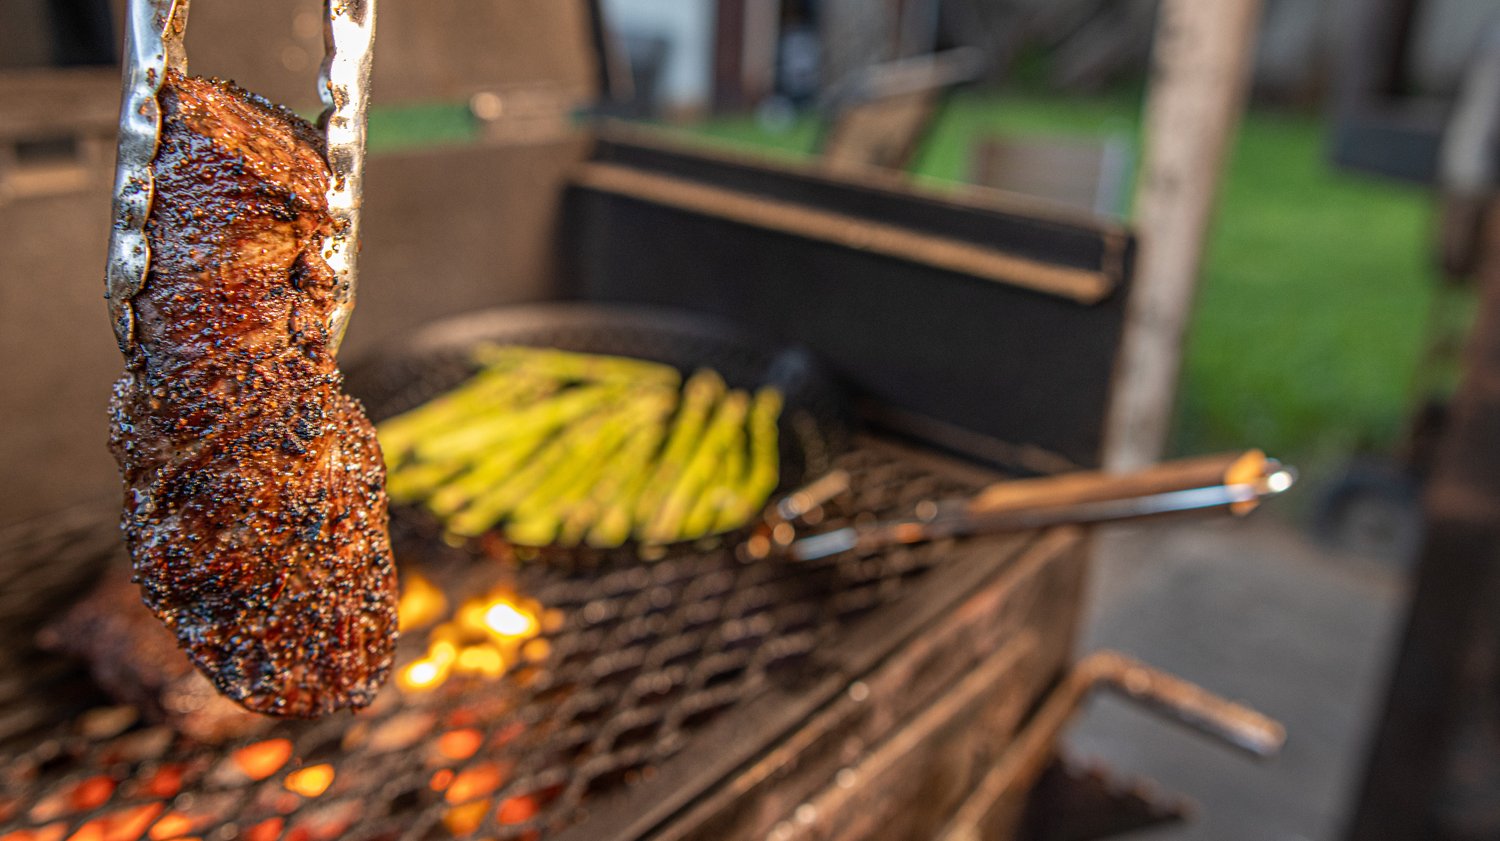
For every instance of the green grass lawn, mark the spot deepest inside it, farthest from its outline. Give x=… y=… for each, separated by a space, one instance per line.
x=1311 y=313
x=1312 y=309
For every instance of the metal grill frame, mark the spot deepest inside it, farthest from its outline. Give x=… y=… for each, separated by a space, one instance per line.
x=743 y=771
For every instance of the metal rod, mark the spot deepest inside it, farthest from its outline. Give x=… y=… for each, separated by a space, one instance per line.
x=996 y=802
x=154 y=31
x=956 y=520
x=344 y=84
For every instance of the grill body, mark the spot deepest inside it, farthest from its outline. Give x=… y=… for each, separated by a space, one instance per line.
x=699 y=696
x=797 y=701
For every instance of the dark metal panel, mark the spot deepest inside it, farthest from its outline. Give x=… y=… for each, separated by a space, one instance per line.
x=979 y=357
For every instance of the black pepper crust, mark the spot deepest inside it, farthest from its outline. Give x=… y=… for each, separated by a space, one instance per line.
x=255 y=507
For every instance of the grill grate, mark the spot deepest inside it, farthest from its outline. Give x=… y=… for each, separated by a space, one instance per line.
x=634 y=660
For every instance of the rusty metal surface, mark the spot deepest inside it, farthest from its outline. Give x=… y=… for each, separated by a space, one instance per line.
x=656 y=681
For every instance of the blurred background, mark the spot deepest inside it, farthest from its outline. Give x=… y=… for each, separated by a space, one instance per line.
x=1321 y=168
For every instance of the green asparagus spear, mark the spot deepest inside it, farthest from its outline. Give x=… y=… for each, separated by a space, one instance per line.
x=483 y=433
x=750 y=493
x=608 y=515
x=709 y=514
x=718 y=492
x=700 y=394
x=491 y=391
x=667 y=523
x=484 y=511
x=571 y=478
x=486 y=472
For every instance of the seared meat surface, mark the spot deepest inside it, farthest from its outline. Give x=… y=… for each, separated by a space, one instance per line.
x=255 y=508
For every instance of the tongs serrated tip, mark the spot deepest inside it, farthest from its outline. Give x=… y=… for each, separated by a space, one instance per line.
x=154 y=44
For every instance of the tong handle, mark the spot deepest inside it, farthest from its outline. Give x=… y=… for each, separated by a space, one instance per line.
x=1089 y=487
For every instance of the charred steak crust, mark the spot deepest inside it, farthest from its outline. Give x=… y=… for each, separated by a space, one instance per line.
x=255 y=508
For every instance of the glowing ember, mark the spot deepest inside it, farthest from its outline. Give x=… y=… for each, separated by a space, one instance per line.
x=480 y=640
x=124 y=825
x=422 y=674
x=263 y=759
x=536 y=650
x=460 y=744
x=422 y=603
x=166 y=782
x=506 y=619
x=310 y=781
x=91 y=793
x=517 y=810
x=265 y=830
x=172 y=825
x=483 y=660
x=475 y=782
x=462 y=820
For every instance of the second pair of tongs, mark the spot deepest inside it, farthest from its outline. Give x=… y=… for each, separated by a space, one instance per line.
x=154 y=35
x=1235 y=483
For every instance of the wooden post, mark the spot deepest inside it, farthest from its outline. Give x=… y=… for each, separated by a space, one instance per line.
x=1201 y=63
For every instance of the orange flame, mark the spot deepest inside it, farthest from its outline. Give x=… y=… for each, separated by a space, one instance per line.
x=481 y=639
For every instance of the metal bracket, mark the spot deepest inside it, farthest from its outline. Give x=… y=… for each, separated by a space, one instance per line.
x=996 y=803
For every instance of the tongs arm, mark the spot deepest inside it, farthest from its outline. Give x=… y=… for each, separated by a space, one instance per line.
x=344 y=85
x=154 y=31
x=154 y=35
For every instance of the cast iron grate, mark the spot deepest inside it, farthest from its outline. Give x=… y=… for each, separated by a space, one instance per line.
x=633 y=658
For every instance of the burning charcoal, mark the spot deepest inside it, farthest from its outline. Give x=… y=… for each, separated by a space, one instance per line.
x=137 y=662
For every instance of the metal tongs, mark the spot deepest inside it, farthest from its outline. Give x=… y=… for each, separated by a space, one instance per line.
x=1235 y=483
x=154 y=35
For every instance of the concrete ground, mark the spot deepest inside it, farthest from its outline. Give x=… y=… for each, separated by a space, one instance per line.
x=1256 y=612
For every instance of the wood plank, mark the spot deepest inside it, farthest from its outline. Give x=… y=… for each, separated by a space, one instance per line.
x=1201 y=75
x=1081 y=285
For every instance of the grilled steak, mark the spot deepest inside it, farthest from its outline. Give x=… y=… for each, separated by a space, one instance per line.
x=255 y=508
